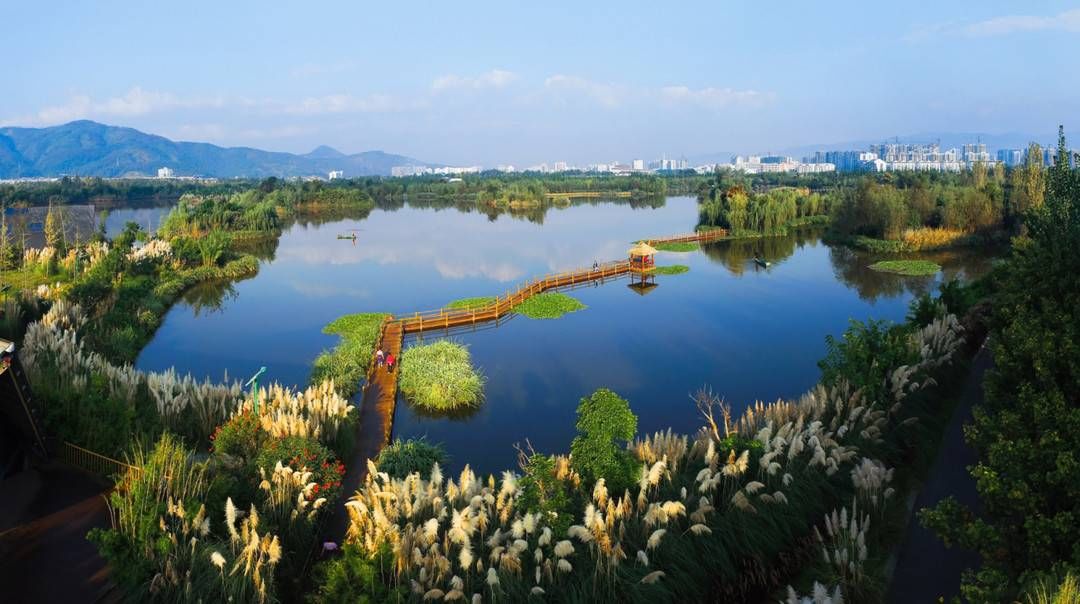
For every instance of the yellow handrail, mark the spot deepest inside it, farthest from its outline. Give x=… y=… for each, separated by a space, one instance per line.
x=90 y=461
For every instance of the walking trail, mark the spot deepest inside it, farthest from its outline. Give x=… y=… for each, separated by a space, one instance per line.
x=926 y=570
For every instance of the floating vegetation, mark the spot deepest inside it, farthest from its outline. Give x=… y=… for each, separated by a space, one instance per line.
x=671 y=269
x=472 y=303
x=347 y=362
x=440 y=377
x=676 y=246
x=548 y=306
x=910 y=268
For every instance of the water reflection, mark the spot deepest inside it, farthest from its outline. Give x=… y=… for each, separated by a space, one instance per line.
x=210 y=297
x=749 y=332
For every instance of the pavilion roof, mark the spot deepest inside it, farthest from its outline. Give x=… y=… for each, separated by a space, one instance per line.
x=642 y=249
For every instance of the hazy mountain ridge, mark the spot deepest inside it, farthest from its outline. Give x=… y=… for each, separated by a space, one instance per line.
x=88 y=148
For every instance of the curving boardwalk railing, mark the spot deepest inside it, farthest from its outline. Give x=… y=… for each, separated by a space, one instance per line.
x=454 y=317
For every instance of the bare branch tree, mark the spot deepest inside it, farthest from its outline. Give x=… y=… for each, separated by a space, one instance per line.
x=708 y=403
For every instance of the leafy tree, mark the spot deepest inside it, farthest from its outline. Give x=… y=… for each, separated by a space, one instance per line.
x=1027 y=430
x=605 y=423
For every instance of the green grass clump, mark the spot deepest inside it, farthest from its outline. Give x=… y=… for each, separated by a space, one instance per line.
x=472 y=303
x=911 y=268
x=440 y=377
x=548 y=306
x=403 y=457
x=676 y=246
x=347 y=362
x=672 y=269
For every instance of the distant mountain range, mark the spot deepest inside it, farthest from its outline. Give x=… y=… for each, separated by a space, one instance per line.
x=87 y=148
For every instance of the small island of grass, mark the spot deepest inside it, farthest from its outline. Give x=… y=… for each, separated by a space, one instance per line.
x=908 y=268
x=671 y=269
x=548 y=306
x=440 y=377
x=348 y=361
x=472 y=303
x=676 y=246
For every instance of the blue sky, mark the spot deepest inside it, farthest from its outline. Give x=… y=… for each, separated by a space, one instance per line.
x=516 y=82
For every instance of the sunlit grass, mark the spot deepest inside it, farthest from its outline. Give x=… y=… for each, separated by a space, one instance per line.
x=548 y=306
x=472 y=303
x=440 y=377
x=910 y=268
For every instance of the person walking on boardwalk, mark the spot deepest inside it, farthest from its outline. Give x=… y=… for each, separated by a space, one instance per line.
x=390 y=361
x=379 y=357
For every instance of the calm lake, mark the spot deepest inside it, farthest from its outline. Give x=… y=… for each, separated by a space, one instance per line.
x=747 y=332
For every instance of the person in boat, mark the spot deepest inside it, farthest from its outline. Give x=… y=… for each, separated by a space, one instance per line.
x=379 y=357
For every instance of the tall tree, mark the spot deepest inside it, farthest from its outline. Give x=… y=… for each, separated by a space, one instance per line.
x=1026 y=431
x=1032 y=180
x=54 y=228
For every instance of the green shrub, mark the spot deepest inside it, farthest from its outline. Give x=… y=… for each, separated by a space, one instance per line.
x=605 y=424
x=356 y=577
x=865 y=355
x=403 y=457
x=440 y=377
x=240 y=437
x=674 y=269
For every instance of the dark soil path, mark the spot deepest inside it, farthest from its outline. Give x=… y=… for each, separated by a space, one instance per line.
x=926 y=570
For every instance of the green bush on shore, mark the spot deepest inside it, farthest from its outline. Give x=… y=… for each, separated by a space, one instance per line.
x=909 y=268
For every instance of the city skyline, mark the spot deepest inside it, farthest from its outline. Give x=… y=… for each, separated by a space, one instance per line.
x=448 y=83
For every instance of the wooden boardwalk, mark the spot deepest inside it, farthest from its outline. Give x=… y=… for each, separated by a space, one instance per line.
x=377 y=405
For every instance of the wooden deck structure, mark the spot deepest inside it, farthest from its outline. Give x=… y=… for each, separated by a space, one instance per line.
x=698 y=237
x=454 y=317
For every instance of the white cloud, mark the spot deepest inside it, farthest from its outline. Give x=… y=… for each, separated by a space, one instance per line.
x=1067 y=21
x=344 y=103
x=608 y=95
x=496 y=78
x=135 y=102
x=713 y=98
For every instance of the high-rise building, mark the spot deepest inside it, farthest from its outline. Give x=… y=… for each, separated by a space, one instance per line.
x=336 y=174
x=639 y=165
x=1011 y=157
x=165 y=173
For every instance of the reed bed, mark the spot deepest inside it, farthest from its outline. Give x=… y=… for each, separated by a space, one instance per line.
x=440 y=377
x=929 y=238
x=550 y=305
x=59 y=365
x=718 y=508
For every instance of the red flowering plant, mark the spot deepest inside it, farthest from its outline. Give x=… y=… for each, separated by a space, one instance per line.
x=304 y=452
x=239 y=437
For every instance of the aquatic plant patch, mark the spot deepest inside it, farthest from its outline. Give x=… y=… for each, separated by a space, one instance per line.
x=910 y=268
x=672 y=269
x=676 y=246
x=548 y=306
x=440 y=377
x=472 y=303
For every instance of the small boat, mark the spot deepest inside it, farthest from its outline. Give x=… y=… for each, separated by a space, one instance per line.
x=352 y=237
x=762 y=262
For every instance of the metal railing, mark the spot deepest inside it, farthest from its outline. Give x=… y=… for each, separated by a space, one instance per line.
x=92 y=462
